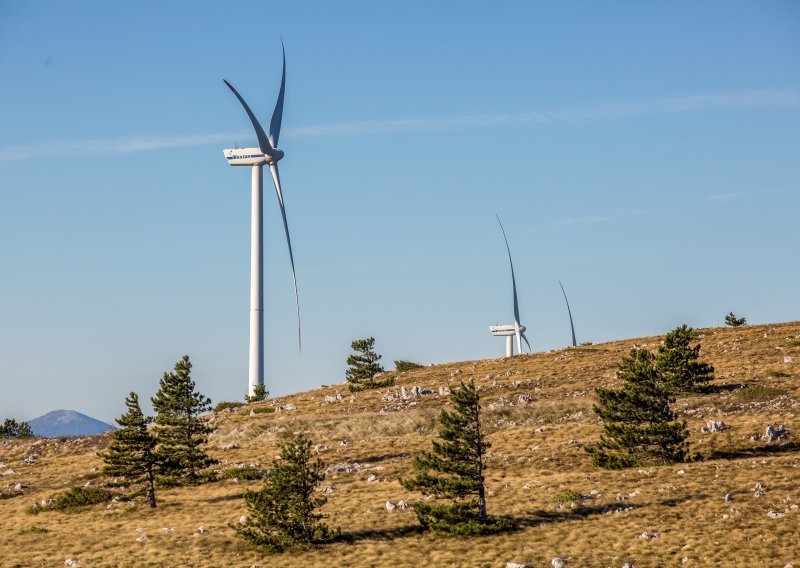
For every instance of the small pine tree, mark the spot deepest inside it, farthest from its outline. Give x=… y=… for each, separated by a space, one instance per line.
x=453 y=472
x=180 y=432
x=638 y=424
x=13 y=429
x=679 y=365
x=732 y=321
x=364 y=366
x=282 y=511
x=259 y=393
x=131 y=453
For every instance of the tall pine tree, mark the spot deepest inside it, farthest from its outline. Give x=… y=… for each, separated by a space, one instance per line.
x=131 y=452
x=679 y=365
x=180 y=431
x=452 y=472
x=282 y=511
x=364 y=366
x=638 y=423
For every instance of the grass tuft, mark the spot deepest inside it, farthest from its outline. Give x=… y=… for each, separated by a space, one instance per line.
x=758 y=393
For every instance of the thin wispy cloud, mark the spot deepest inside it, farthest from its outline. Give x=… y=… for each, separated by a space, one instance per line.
x=608 y=110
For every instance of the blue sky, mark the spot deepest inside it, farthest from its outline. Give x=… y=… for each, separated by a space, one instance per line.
x=646 y=154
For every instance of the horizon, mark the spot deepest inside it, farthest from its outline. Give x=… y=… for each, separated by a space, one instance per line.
x=645 y=156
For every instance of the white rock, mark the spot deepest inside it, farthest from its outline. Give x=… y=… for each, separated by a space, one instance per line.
x=788 y=359
x=391 y=505
x=628 y=565
x=72 y=562
x=681 y=472
x=728 y=498
x=524 y=399
x=714 y=426
x=231 y=446
x=402 y=505
x=143 y=538
x=444 y=391
x=328 y=489
x=775 y=433
x=557 y=562
x=372 y=477
x=168 y=529
x=244 y=519
x=18 y=487
x=344 y=442
x=88 y=484
x=648 y=536
x=516 y=565
x=201 y=529
x=775 y=514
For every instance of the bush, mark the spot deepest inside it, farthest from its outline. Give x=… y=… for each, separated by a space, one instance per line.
x=34 y=530
x=777 y=374
x=758 y=393
x=259 y=393
x=364 y=368
x=226 y=405
x=246 y=473
x=567 y=496
x=75 y=499
x=401 y=366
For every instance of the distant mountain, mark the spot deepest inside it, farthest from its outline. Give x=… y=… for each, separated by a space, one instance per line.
x=67 y=423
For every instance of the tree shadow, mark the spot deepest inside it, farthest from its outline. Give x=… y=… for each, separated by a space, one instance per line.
x=223 y=498
x=380 y=458
x=754 y=452
x=717 y=389
x=382 y=534
x=579 y=513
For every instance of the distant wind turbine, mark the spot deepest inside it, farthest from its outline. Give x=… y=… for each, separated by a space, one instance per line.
x=572 y=327
x=517 y=329
x=267 y=153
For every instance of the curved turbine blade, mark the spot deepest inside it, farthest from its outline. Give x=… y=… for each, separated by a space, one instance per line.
x=513 y=281
x=277 y=114
x=572 y=327
x=273 y=167
x=263 y=141
x=525 y=339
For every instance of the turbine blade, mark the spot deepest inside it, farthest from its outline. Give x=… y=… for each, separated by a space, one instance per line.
x=273 y=168
x=263 y=141
x=513 y=280
x=571 y=325
x=277 y=114
x=526 y=343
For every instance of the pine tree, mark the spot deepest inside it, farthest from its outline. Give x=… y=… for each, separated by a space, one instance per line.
x=131 y=453
x=364 y=367
x=13 y=429
x=732 y=321
x=180 y=432
x=282 y=511
x=679 y=365
x=452 y=472
x=638 y=424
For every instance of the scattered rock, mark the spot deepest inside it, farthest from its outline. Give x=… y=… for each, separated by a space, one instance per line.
x=344 y=442
x=244 y=519
x=557 y=562
x=728 y=498
x=648 y=536
x=328 y=489
x=775 y=514
x=143 y=538
x=489 y=376
x=88 y=484
x=18 y=487
x=628 y=565
x=524 y=399
x=72 y=562
x=201 y=530
x=681 y=472
x=788 y=359
x=253 y=413
x=775 y=433
x=372 y=478
x=516 y=565
x=456 y=372
x=168 y=529
x=391 y=505
x=444 y=391
x=231 y=446
x=403 y=505
x=714 y=426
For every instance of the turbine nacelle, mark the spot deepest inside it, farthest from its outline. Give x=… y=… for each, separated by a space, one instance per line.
x=506 y=330
x=251 y=156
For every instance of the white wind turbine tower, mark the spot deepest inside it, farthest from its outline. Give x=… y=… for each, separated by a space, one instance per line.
x=515 y=329
x=268 y=154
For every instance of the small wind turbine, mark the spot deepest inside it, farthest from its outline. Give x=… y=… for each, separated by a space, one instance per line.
x=571 y=325
x=517 y=329
x=267 y=153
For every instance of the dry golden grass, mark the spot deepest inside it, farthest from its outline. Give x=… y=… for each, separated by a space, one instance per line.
x=536 y=455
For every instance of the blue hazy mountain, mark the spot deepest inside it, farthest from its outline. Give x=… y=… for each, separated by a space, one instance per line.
x=67 y=423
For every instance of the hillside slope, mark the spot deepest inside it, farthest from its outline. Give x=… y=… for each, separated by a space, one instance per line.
x=537 y=453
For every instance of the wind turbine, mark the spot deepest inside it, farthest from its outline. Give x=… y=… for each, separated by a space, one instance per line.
x=268 y=154
x=517 y=329
x=571 y=325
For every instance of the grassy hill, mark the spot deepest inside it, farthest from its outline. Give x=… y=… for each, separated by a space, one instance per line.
x=536 y=455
